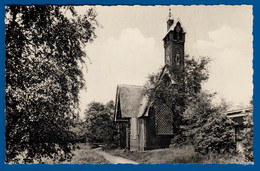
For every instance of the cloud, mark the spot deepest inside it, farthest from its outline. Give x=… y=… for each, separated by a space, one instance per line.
x=231 y=68
x=131 y=56
x=125 y=59
x=225 y=38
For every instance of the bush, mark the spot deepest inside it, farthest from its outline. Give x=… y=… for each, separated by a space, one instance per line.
x=185 y=154
x=208 y=129
x=248 y=136
x=100 y=127
x=216 y=136
x=57 y=157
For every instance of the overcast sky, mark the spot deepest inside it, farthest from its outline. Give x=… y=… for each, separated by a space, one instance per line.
x=129 y=46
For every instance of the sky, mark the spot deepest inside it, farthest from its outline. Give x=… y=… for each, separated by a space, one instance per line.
x=129 y=47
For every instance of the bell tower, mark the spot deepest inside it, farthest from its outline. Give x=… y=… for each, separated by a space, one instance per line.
x=174 y=44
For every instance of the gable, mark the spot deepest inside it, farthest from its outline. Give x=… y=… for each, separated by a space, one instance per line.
x=129 y=101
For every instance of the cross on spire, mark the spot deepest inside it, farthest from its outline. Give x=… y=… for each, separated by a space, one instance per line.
x=169 y=19
x=170 y=16
x=170 y=13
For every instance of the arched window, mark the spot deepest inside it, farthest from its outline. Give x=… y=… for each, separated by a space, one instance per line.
x=180 y=35
x=178 y=32
x=177 y=59
x=175 y=35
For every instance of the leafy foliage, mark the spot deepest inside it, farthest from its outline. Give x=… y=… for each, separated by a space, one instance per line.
x=99 y=125
x=185 y=154
x=79 y=132
x=207 y=127
x=178 y=96
x=196 y=120
x=248 y=137
x=43 y=76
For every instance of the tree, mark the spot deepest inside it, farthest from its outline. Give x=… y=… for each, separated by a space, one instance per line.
x=77 y=127
x=248 y=137
x=207 y=127
x=44 y=51
x=196 y=119
x=99 y=125
x=178 y=96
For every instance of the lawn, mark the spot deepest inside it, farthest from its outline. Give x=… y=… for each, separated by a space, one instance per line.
x=83 y=154
x=184 y=155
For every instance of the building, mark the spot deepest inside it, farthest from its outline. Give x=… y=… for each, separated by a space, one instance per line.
x=238 y=116
x=151 y=127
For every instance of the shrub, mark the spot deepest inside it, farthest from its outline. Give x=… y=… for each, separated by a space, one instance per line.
x=248 y=136
x=100 y=127
x=208 y=129
x=185 y=154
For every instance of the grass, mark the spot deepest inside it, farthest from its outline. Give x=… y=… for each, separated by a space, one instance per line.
x=83 y=154
x=224 y=159
x=179 y=155
x=183 y=155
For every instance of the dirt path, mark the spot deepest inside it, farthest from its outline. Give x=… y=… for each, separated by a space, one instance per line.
x=114 y=159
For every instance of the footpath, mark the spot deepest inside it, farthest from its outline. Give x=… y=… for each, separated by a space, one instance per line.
x=114 y=159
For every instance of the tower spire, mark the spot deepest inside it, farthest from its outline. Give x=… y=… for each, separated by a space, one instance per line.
x=170 y=12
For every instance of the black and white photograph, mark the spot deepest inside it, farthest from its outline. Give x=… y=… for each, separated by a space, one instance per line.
x=129 y=84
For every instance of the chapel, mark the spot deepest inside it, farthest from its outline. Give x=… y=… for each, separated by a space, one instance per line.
x=150 y=127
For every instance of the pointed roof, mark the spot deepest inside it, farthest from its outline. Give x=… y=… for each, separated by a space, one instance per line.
x=165 y=71
x=171 y=29
x=129 y=101
x=179 y=21
x=175 y=24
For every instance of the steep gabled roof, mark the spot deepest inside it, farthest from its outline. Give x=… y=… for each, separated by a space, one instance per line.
x=165 y=71
x=171 y=29
x=129 y=101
